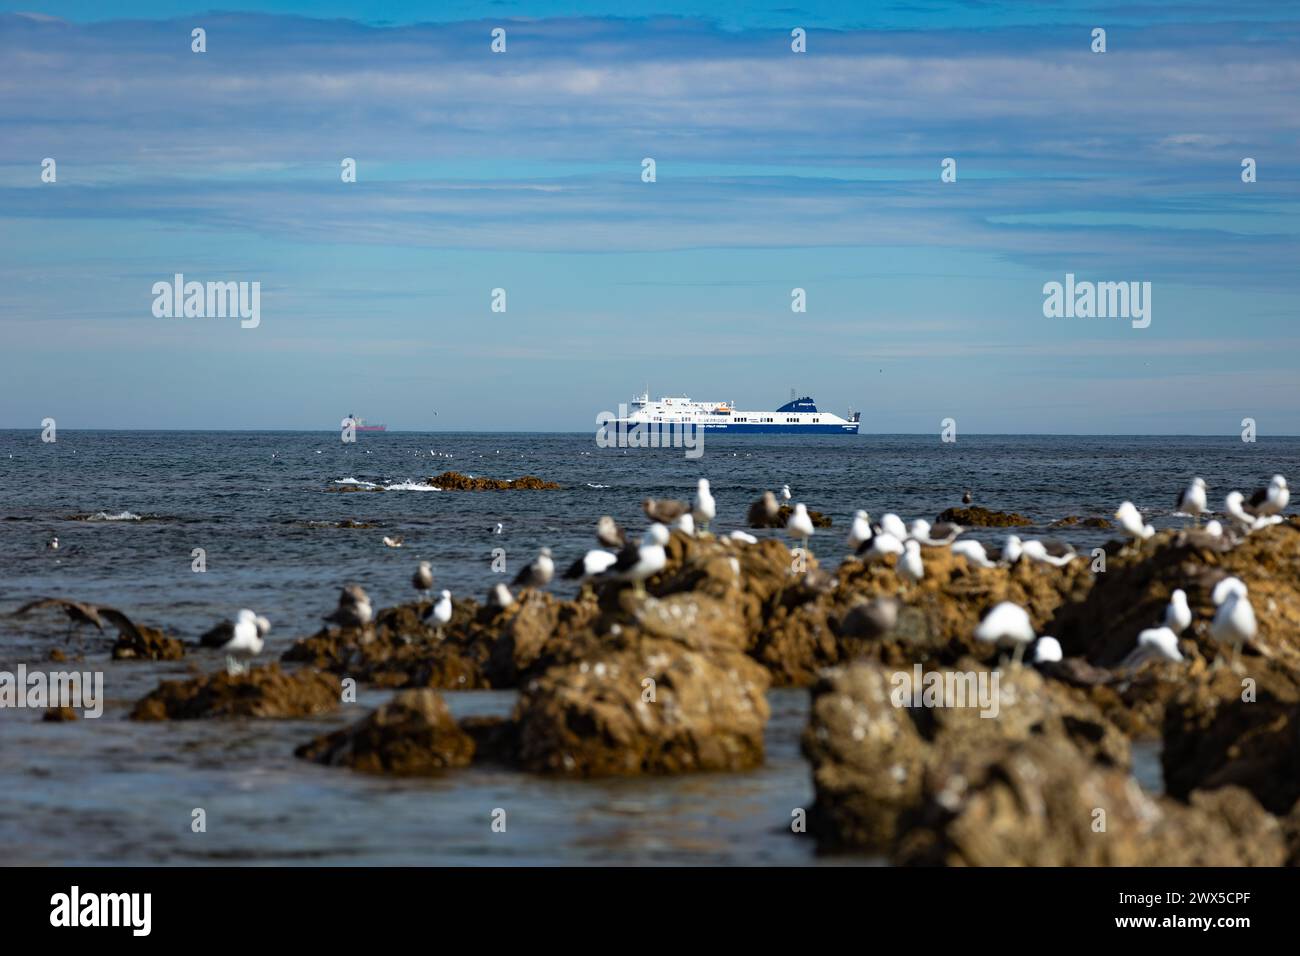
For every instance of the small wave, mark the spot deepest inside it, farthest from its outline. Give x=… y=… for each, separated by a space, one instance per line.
x=106 y=516
x=391 y=486
x=411 y=486
x=590 y=485
x=356 y=483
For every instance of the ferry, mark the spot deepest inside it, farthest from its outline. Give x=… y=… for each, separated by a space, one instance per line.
x=362 y=426
x=799 y=416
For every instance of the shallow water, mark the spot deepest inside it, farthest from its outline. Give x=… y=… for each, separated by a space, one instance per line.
x=111 y=790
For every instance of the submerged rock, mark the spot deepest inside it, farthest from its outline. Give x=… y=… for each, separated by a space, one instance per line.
x=147 y=644
x=455 y=481
x=413 y=734
x=259 y=692
x=977 y=517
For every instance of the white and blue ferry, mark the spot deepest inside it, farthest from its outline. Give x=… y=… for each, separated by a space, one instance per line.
x=798 y=416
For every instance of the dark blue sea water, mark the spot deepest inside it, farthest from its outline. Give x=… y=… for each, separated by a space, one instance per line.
x=260 y=505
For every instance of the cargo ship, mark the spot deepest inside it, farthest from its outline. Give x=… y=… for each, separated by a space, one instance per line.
x=798 y=416
x=363 y=427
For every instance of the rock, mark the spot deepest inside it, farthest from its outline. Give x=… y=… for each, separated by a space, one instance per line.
x=869 y=749
x=595 y=718
x=977 y=517
x=401 y=650
x=1133 y=593
x=1035 y=803
x=1213 y=738
x=259 y=692
x=413 y=734
x=1074 y=521
x=455 y=481
x=147 y=644
x=59 y=714
x=496 y=739
x=818 y=519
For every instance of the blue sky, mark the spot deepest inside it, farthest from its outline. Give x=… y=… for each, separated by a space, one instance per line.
x=775 y=171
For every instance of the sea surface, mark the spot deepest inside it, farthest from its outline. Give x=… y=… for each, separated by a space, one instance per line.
x=130 y=508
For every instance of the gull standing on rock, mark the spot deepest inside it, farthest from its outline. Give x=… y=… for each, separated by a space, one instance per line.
x=500 y=596
x=881 y=544
x=859 y=531
x=910 y=566
x=1234 y=622
x=1192 y=500
x=800 y=526
x=705 y=508
x=354 y=609
x=1047 y=650
x=664 y=511
x=1007 y=623
x=973 y=552
x=241 y=638
x=763 y=512
x=636 y=563
x=1049 y=551
x=1154 y=644
x=440 y=613
x=1271 y=500
x=536 y=573
x=891 y=523
x=785 y=493
x=1178 y=616
x=592 y=563
x=686 y=525
x=1130 y=522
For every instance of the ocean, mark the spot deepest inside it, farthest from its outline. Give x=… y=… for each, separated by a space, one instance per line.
x=130 y=508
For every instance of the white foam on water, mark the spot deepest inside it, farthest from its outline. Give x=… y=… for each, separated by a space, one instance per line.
x=120 y=516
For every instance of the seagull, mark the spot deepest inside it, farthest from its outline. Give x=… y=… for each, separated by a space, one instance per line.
x=354 y=608
x=1130 y=521
x=1225 y=587
x=440 y=613
x=664 y=511
x=967 y=498
x=53 y=543
x=609 y=533
x=589 y=565
x=422 y=580
x=881 y=544
x=1049 y=551
x=537 y=573
x=785 y=492
x=1012 y=550
x=1047 y=650
x=742 y=537
x=891 y=523
x=870 y=619
x=1271 y=500
x=242 y=637
x=763 y=512
x=934 y=536
x=910 y=566
x=973 y=552
x=500 y=596
x=1154 y=644
x=800 y=526
x=1178 y=616
x=1192 y=500
x=859 y=531
x=1234 y=503
x=1234 y=622
x=637 y=562
x=81 y=612
x=392 y=542
x=705 y=508
x=686 y=525
x=1007 y=623
x=499 y=528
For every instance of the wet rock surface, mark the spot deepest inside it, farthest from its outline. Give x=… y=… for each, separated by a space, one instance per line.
x=413 y=734
x=455 y=481
x=977 y=517
x=148 y=644
x=260 y=692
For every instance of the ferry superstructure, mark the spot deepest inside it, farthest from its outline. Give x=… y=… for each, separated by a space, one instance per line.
x=798 y=416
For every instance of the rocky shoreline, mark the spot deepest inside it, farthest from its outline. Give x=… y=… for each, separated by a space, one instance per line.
x=615 y=682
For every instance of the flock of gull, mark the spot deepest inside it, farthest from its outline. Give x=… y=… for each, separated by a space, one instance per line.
x=634 y=561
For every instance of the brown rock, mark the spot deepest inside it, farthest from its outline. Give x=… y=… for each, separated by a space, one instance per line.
x=977 y=517
x=147 y=644
x=259 y=692
x=59 y=714
x=413 y=734
x=455 y=481
x=593 y=719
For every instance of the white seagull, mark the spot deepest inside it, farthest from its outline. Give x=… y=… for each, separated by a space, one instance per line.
x=536 y=573
x=973 y=552
x=241 y=638
x=800 y=526
x=440 y=613
x=880 y=545
x=1271 y=500
x=1131 y=523
x=859 y=531
x=592 y=563
x=705 y=508
x=1047 y=650
x=785 y=492
x=685 y=524
x=1192 y=500
x=1154 y=644
x=422 y=580
x=1007 y=623
x=891 y=523
x=637 y=562
x=1178 y=616
x=1234 y=622
x=910 y=566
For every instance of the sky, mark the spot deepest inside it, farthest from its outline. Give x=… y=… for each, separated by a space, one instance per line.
x=774 y=170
